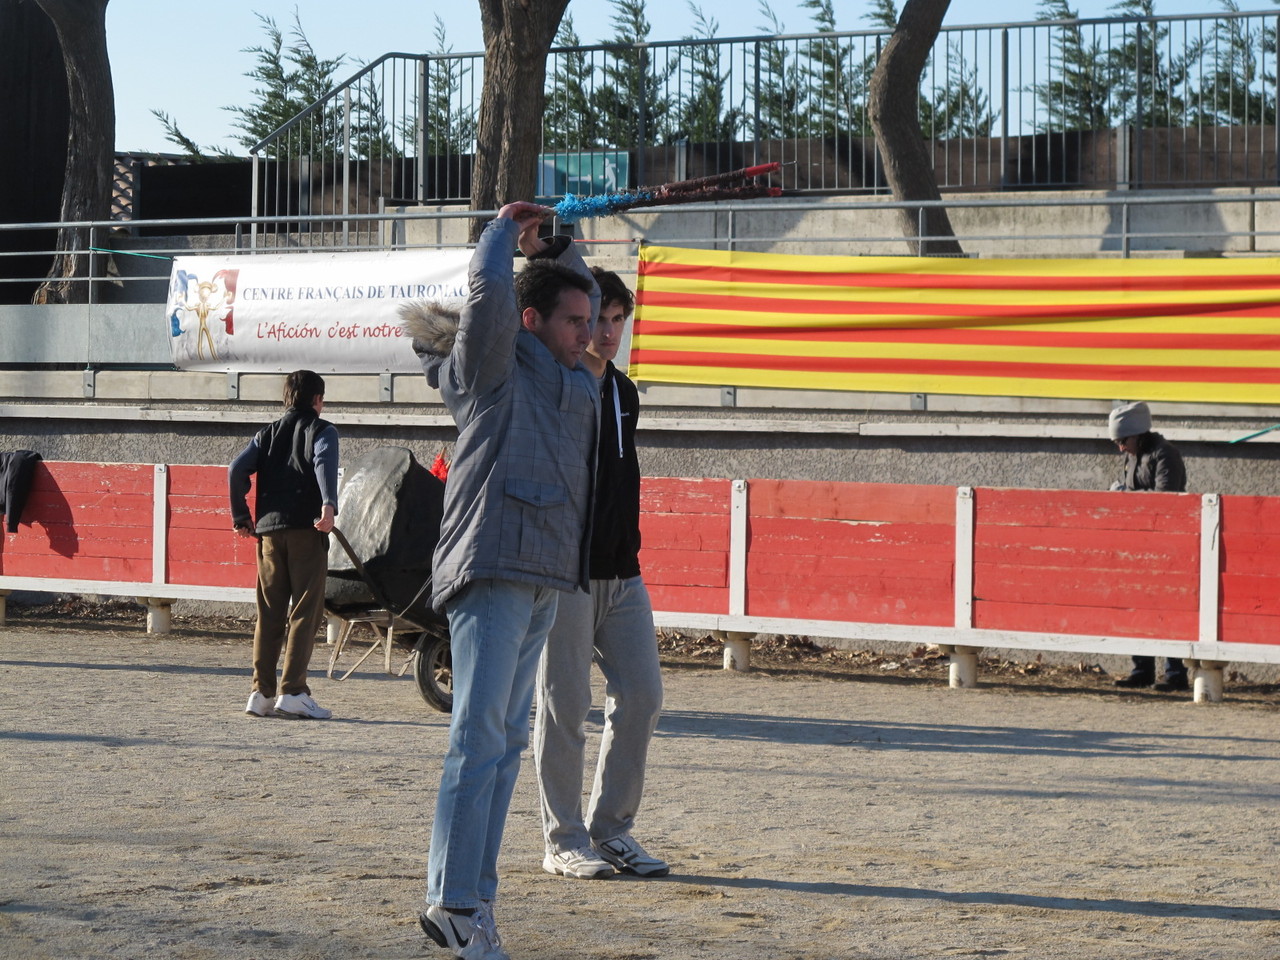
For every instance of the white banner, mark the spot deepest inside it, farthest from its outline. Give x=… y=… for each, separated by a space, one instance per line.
x=332 y=313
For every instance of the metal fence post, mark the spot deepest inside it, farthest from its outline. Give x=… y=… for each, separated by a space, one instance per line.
x=420 y=187
x=1135 y=175
x=92 y=269
x=1124 y=227
x=1124 y=156
x=1004 y=107
x=642 y=110
x=253 y=211
x=346 y=164
x=755 y=126
x=875 y=152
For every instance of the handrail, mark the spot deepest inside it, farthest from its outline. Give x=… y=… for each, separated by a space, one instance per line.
x=332 y=94
x=880 y=202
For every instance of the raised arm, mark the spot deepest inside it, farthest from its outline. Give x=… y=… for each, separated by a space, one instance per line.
x=484 y=351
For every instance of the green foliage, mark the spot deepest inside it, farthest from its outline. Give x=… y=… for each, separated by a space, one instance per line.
x=959 y=107
x=1237 y=79
x=702 y=116
x=1140 y=72
x=189 y=147
x=631 y=105
x=781 y=88
x=569 y=120
x=449 y=110
x=883 y=13
x=1151 y=85
x=837 y=83
x=1224 y=78
x=292 y=79
x=1078 y=95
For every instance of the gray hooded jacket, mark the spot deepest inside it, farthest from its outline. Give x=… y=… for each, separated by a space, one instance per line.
x=518 y=501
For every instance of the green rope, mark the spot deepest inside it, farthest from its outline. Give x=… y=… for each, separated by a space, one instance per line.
x=130 y=253
x=1255 y=434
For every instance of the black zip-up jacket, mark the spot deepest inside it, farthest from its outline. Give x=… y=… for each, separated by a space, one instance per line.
x=16 y=470
x=1158 y=466
x=615 y=532
x=283 y=457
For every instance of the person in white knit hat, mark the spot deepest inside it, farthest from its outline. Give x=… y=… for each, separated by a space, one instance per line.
x=1150 y=463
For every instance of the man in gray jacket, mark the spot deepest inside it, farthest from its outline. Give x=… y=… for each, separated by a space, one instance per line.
x=515 y=533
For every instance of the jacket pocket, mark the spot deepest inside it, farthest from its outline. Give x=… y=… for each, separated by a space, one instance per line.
x=536 y=494
x=535 y=524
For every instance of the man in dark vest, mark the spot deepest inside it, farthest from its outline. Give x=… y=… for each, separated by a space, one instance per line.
x=296 y=462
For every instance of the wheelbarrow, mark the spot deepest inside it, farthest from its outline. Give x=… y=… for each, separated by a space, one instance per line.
x=380 y=568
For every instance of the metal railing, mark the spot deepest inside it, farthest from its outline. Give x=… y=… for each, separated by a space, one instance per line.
x=124 y=269
x=1112 y=102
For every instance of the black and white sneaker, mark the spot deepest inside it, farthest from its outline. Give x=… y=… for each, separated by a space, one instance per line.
x=472 y=936
x=581 y=863
x=627 y=855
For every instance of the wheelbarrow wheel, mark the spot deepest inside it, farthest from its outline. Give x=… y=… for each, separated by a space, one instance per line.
x=433 y=672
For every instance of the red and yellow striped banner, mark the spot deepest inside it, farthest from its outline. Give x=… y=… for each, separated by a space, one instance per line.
x=1189 y=330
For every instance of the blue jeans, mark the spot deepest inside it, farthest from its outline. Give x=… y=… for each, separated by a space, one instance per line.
x=497 y=629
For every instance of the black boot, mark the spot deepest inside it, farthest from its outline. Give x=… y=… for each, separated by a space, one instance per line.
x=1136 y=680
x=1175 y=676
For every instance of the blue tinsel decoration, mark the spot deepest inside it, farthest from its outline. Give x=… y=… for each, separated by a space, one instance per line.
x=574 y=208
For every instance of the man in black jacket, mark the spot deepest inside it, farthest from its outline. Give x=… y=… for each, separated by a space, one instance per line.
x=296 y=462
x=1150 y=463
x=613 y=626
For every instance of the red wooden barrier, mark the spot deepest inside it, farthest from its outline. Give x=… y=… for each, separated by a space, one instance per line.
x=684 y=533
x=1051 y=568
x=1249 y=610
x=203 y=549
x=1080 y=562
x=84 y=521
x=881 y=553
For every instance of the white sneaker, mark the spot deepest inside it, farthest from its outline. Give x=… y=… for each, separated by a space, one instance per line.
x=581 y=864
x=625 y=854
x=470 y=936
x=260 y=706
x=300 y=706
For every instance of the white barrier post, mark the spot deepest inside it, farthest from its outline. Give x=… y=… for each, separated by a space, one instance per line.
x=964 y=667
x=1207 y=682
x=159 y=614
x=737 y=648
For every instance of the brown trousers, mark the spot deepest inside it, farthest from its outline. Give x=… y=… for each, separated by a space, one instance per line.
x=292 y=567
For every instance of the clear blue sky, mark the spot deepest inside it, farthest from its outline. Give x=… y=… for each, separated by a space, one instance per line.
x=186 y=59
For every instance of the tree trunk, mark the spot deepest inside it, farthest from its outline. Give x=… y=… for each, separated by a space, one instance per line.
x=86 y=188
x=893 y=102
x=517 y=36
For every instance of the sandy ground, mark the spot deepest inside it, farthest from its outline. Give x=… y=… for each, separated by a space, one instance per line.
x=142 y=815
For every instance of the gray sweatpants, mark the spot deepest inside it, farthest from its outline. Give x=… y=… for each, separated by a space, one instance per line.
x=614 y=627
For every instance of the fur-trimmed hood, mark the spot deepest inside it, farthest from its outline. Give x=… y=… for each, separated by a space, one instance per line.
x=433 y=328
